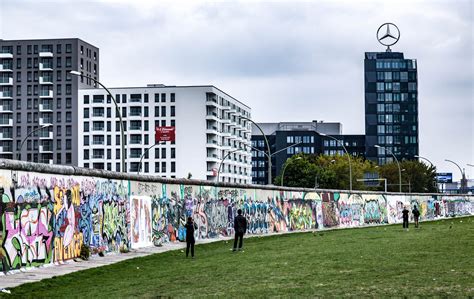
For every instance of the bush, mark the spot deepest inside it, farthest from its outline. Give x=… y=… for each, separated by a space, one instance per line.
x=85 y=252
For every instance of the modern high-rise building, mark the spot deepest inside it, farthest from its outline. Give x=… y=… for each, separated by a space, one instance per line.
x=38 y=97
x=305 y=137
x=391 y=107
x=209 y=125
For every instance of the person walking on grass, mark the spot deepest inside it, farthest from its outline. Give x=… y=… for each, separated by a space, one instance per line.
x=416 y=215
x=240 y=227
x=405 y=213
x=190 y=228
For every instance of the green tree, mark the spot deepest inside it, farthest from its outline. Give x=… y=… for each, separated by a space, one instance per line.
x=416 y=176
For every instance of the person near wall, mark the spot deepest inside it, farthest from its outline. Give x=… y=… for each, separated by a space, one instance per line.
x=240 y=227
x=405 y=213
x=416 y=215
x=190 y=228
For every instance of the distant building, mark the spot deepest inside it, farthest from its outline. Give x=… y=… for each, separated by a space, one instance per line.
x=208 y=127
x=391 y=107
x=36 y=89
x=283 y=134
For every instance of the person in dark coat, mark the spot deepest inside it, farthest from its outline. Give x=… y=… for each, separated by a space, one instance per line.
x=190 y=228
x=240 y=227
x=416 y=215
x=405 y=213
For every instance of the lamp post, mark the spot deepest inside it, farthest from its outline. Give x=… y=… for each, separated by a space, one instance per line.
x=269 y=182
x=463 y=175
x=348 y=156
x=122 y=129
x=398 y=164
x=284 y=168
x=18 y=156
x=432 y=165
x=144 y=153
x=222 y=161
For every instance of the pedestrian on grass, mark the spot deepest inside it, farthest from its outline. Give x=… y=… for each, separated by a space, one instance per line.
x=416 y=215
x=190 y=228
x=405 y=213
x=240 y=227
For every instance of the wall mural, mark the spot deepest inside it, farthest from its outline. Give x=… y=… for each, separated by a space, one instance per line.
x=47 y=218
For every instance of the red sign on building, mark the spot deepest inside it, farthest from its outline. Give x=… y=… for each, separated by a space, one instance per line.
x=164 y=134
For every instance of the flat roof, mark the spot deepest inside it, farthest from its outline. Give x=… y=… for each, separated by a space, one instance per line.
x=171 y=86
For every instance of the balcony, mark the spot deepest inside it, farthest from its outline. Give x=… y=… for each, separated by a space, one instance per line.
x=45 y=66
x=212 y=144
x=45 y=135
x=6 y=81
x=5 y=94
x=6 y=136
x=45 y=149
x=45 y=80
x=45 y=54
x=6 y=108
x=6 y=67
x=6 y=122
x=6 y=55
x=211 y=130
x=46 y=94
x=213 y=158
x=45 y=108
x=135 y=128
x=45 y=121
x=6 y=149
x=98 y=156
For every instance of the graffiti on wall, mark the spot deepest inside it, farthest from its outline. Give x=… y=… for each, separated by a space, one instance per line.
x=47 y=218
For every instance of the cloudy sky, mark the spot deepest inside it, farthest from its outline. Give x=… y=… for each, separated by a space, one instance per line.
x=289 y=61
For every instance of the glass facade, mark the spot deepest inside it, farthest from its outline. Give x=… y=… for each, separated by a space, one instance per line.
x=391 y=106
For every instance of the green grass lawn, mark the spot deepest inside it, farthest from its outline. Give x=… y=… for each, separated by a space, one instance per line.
x=437 y=259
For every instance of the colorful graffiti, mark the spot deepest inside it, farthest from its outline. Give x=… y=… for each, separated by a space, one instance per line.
x=47 y=218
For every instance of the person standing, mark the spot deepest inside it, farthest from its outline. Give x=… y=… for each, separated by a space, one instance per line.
x=405 y=213
x=240 y=227
x=416 y=215
x=190 y=228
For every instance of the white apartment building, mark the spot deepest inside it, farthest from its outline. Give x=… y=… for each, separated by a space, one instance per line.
x=209 y=124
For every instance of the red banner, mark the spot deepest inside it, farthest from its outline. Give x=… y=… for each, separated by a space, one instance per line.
x=164 y=134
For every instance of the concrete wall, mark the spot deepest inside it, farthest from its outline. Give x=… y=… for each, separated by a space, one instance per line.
x=48 y=212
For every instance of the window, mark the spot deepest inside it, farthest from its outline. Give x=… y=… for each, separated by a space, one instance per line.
x=68 y=144
x=68 y=62
x=163 y=153
x=163 y=110
x=163 y=97
x=157 y=97
x=157 y=111
x=68 y=48
x=172 y=111
x=86 y=139
x=380 y=86
x=58 y=49
x=163 y=166
x=173 y=153
x=172 y=97
x=58 y=116
x=86 y=112
x=68 y=89
x=411 y=86
x=173 y=166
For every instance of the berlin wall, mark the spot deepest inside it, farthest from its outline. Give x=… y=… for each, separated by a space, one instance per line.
x=48 y=212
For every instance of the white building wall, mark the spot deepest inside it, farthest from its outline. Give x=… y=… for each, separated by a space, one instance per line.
x=192 y=148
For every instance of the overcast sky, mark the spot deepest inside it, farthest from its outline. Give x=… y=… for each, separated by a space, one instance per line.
x=288 y=61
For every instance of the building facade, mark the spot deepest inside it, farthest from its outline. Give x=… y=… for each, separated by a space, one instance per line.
x=391 y=107
x=306 y=138
x=209 y=126
x=37 y=91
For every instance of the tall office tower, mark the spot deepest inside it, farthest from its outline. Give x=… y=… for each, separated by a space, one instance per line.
x=391 y=106
x=38 y=97
x=201 y=130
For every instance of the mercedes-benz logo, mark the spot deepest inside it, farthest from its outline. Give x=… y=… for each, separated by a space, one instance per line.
x=388 y=34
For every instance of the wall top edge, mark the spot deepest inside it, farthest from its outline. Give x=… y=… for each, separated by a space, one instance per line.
x=16 y=165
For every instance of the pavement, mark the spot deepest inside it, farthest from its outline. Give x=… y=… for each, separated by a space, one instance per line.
x=15 y=278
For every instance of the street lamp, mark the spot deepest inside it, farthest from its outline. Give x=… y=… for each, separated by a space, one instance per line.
x=18 y=156
x=432 y=165
x=348 y=156
x=122 y=129
x=222 y=161
x=463 y=175
x=269 y=182
x=284 y=168
x=398 y=164
x=144 y=153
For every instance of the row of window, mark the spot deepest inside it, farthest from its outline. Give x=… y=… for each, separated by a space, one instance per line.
x=396 y=97
x=160 y=167
x=394 y=86
x=396 y=139
x=395 y=64
x=394 y=129
x=395 y=118
x=134 y=153
x=35 y=49
x=134 y=98
x=396 y=76
x=134 y=125
x=34 y=104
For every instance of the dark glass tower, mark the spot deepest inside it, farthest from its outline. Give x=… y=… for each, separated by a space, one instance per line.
x=391 y=106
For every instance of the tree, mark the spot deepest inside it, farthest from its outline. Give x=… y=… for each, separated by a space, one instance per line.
x=416 y=176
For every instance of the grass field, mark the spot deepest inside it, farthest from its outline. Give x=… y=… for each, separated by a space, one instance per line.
x=437 y=259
